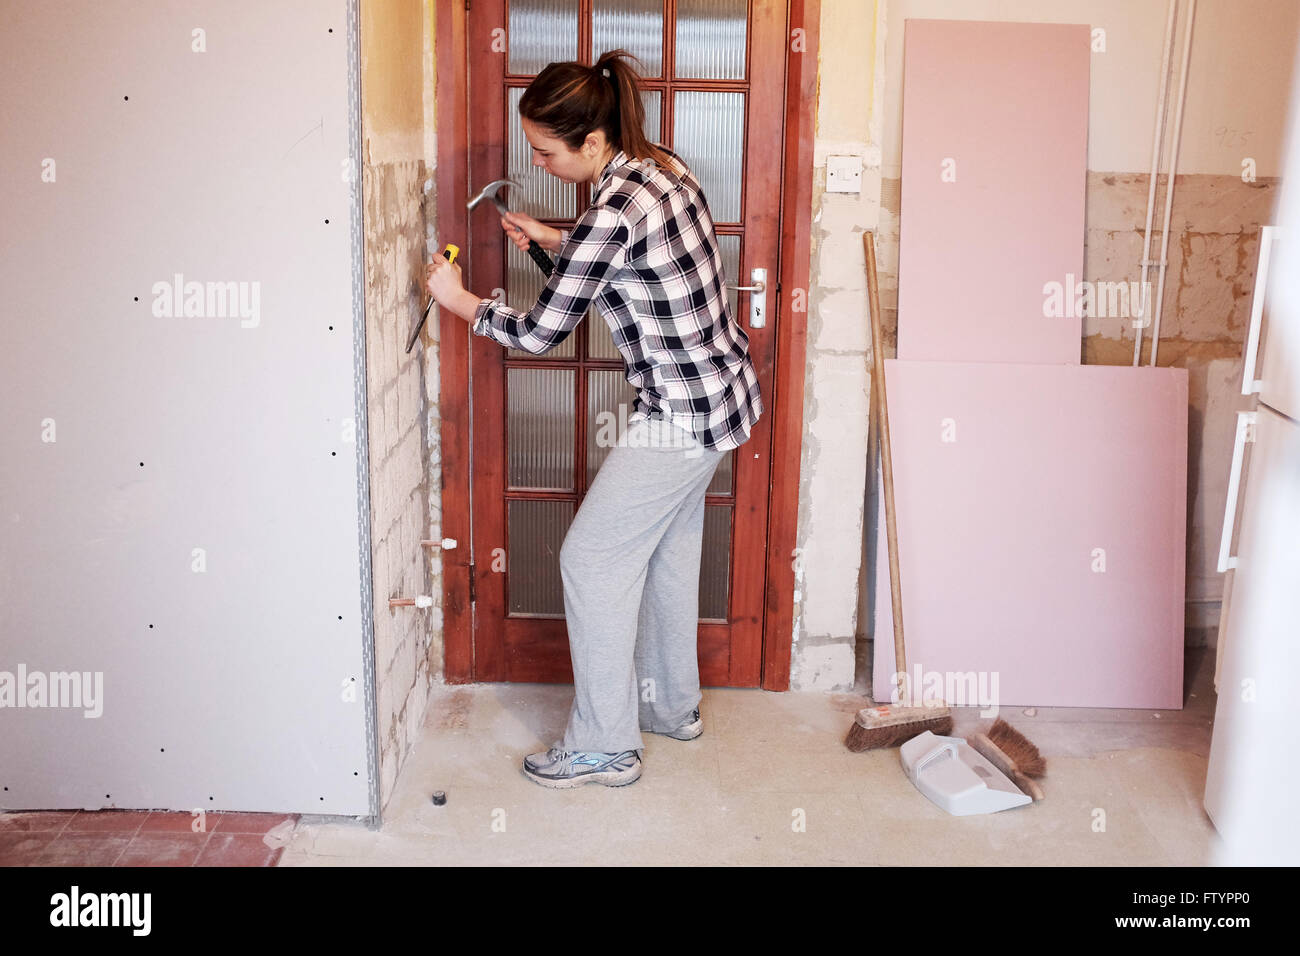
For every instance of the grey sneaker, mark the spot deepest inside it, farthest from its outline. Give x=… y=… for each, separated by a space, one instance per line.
x=690 y=729
x=563 y=769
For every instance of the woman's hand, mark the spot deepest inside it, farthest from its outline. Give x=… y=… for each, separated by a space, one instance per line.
x=442 y=279
x=520 y=227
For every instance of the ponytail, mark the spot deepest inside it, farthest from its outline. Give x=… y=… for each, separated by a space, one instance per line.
x=572 y=100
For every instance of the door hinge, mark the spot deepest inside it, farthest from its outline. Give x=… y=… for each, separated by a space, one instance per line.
x=471 y=583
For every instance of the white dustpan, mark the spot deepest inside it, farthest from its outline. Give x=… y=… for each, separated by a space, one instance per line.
x=957 y=778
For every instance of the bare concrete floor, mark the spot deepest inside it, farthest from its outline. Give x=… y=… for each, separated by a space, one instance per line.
x=1123 y=788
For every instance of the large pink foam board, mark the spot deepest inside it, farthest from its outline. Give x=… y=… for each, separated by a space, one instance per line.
x=1004 y=107
x=1008 y=479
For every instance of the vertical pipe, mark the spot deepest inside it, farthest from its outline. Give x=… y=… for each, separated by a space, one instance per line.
x=1173 y=172
x=1157 y=141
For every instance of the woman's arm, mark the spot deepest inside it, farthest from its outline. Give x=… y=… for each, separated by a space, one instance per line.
x=598 y=250
x=464 y=303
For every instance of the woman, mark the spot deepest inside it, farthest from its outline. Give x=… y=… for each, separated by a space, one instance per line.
x=646 y=253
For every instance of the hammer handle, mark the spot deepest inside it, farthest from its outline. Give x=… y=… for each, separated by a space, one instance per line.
x=542 y=259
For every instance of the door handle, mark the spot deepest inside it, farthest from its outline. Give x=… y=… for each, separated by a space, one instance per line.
x=758 y=297
x=1245 y=433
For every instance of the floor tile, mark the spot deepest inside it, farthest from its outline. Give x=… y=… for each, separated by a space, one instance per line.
x=237 y=849
x=163 y=849
x=101 y=848
x=22 y=847
x=117 y=821
x=32 y=820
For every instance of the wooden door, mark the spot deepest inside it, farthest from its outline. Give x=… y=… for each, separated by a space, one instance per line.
x=713 y=90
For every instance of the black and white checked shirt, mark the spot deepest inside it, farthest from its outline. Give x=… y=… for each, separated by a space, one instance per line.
x=646 y=253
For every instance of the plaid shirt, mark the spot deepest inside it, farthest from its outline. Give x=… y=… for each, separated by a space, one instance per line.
x=645 y=252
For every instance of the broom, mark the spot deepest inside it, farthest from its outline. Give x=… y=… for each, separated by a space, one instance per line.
x=889 y=725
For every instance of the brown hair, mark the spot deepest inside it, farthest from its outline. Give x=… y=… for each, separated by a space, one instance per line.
x=571 y=100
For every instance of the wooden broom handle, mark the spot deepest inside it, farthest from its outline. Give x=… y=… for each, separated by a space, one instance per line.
x=886 y=459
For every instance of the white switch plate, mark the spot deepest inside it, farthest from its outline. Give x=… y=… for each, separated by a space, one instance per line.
x=843 y=174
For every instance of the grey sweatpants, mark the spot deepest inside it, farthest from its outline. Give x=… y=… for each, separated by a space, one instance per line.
x=630 y=564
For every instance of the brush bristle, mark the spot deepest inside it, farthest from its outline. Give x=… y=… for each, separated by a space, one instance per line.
x=1018 y=748
x=862 y=738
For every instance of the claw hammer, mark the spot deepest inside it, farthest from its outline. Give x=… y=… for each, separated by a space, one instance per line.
x=490 y=192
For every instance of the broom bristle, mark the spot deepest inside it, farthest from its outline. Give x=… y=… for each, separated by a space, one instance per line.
x=1018 y=748
x=885 y=727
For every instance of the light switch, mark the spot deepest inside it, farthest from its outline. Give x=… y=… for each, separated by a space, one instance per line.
x=843 y=174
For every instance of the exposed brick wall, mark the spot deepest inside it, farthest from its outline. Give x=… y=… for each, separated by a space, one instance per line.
x=407 y=658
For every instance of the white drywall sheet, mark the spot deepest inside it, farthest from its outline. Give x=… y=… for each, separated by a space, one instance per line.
x=185 y=504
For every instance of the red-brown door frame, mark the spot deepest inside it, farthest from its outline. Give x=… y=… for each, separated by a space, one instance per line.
x=452 y=185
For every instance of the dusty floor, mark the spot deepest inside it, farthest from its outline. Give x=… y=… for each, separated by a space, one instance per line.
x=1123 y=788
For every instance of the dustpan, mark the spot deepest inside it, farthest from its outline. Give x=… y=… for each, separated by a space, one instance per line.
x=957 y=778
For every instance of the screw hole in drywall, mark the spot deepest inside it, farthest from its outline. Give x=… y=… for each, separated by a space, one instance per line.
x=327 y=222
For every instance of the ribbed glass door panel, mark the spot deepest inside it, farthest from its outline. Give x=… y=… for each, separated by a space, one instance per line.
x=536 y=531
x=729 y=248
x=524 y=283
x=709 y=133
x=715 y=562
x=711 y=39
x=633 y=25
x=544 y=196
x=609 y=403
x=652 y=100
x=540 y=32
x=721 y=483
x=540 y=428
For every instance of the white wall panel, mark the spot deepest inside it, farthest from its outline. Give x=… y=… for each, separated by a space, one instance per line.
x=184 y=496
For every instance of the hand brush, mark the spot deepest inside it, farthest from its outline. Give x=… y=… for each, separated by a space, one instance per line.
x=1014 y=754
x=887 y=726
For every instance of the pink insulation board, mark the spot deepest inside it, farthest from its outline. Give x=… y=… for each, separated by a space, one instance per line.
x=1041 y=519
x=994 y=166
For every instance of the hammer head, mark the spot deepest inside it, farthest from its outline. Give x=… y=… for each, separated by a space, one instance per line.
x=490 y=192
